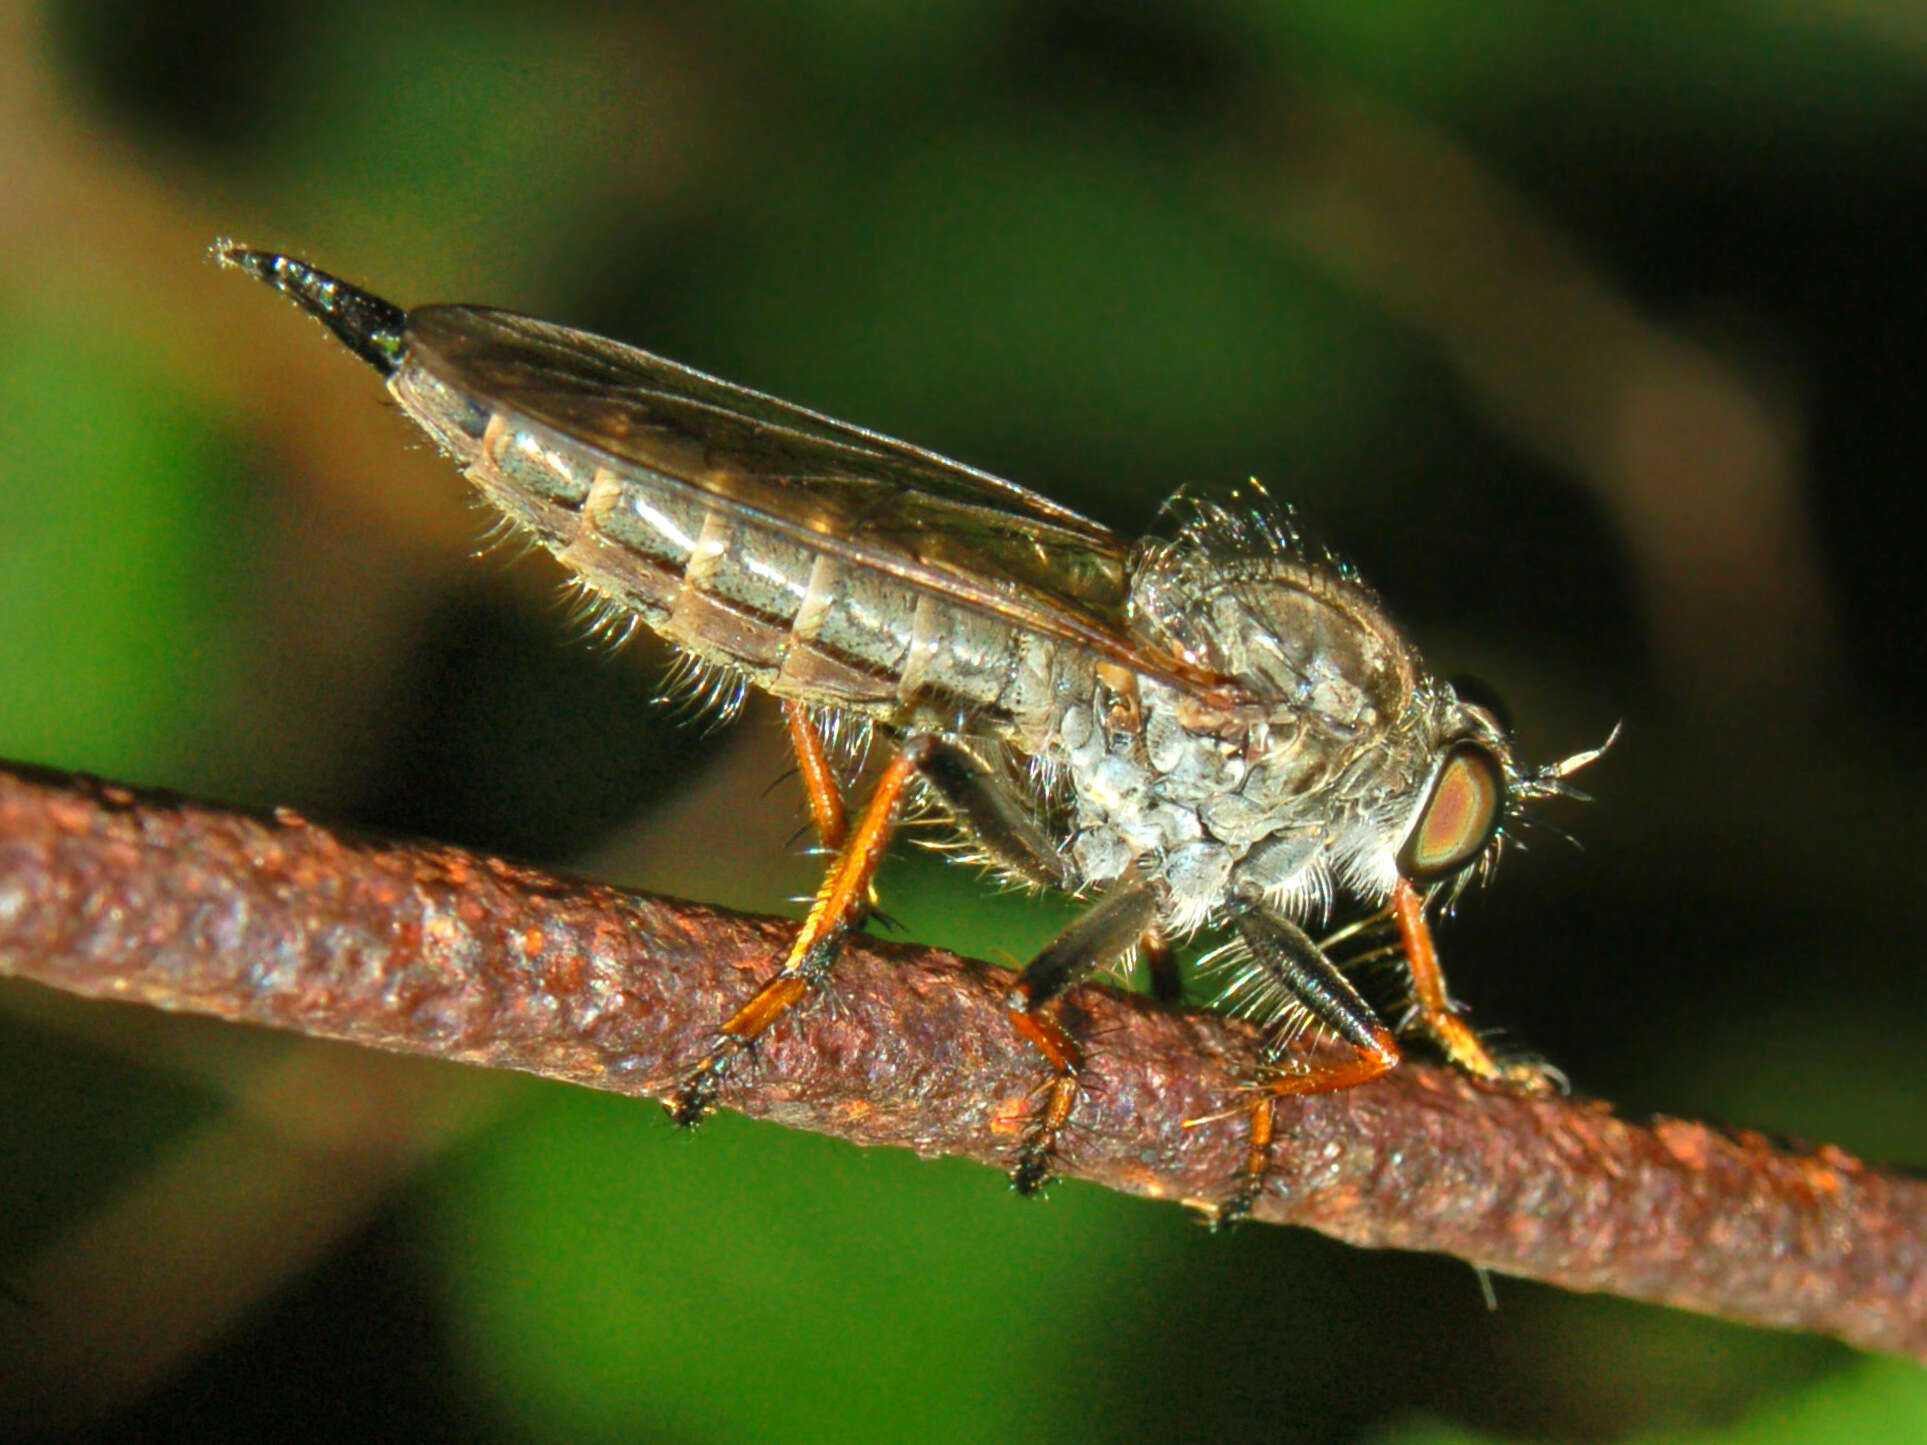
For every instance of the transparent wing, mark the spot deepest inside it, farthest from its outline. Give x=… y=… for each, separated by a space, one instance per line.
x=867 y=499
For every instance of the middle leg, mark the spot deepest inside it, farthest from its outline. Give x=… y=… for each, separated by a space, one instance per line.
x=1108 y=931
x=1302 y=982
x=987 y=807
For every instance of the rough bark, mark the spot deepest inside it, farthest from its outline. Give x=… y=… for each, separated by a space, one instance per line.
x=421 y=948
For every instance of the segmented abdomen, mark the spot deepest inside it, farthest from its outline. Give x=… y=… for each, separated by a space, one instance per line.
x=736 y=588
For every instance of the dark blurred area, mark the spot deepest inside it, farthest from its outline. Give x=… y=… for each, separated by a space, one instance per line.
x=1592 y=334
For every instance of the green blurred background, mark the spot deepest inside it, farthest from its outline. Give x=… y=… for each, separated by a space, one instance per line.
x=1594 y=334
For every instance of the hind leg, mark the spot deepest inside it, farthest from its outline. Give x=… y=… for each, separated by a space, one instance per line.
x=841 y=902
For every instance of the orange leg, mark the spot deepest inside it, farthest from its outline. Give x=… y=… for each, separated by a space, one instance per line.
x=840 y=903
x=819 y=778
x=1435 y=1013
x=1378 y=1053
x=1297 y=975
x=1031 y=1171
x=1105 y=932
x=1024 y=1003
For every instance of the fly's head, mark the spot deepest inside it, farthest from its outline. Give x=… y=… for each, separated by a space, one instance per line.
x=1475 y=793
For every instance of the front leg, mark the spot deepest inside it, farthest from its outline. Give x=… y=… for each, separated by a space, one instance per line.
x=1434 y=1013
x=841 y=902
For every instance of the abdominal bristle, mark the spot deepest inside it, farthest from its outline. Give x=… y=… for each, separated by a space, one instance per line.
x=500 y=536
x=697 y=688
x=597 y=618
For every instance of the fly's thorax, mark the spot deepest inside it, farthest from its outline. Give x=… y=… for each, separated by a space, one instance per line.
x=1306 y=777
x=1292 y=632
x=1217 y=808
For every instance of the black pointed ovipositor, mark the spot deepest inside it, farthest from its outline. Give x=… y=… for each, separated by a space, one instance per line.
x=370 y=327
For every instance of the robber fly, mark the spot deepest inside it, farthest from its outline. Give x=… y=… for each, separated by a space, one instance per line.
x=1212 y=729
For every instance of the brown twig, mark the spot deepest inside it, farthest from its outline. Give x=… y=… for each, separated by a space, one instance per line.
x=428 y=949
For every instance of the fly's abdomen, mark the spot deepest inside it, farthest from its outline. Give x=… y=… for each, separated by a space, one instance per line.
x=736 y=585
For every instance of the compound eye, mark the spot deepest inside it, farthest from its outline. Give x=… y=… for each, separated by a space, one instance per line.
x=1459 y=818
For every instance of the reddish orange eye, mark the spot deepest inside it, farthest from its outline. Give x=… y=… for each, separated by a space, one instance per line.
x=1459 y=818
